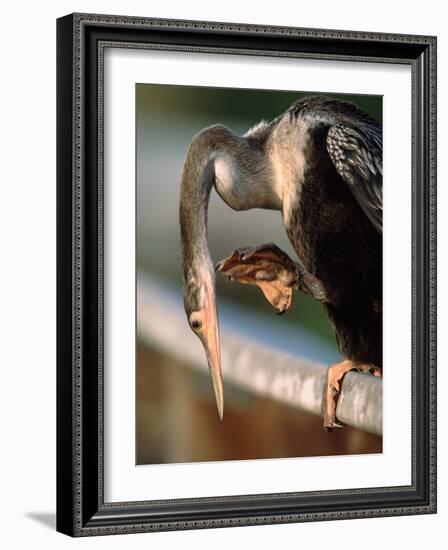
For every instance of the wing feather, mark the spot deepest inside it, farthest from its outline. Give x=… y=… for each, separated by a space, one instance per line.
x=356 y=152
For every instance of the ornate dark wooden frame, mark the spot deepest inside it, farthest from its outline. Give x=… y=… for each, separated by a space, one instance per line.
x=81 y=39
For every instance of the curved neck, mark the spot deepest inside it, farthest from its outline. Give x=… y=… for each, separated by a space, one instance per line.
x=242 y=177
x=197 y=182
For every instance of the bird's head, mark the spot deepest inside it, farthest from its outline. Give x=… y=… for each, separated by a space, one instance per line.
x=202 y=315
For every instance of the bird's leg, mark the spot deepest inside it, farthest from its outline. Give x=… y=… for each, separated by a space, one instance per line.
x=335 y=376
x=273 y=271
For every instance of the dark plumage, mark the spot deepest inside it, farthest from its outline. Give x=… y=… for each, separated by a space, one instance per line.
x=320 y=163
x=330 y=231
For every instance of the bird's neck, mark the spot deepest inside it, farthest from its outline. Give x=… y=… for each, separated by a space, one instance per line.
x=196 y=185
x=240 y=174
x=244 y=177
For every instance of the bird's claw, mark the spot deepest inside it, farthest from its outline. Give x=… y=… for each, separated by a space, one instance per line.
x=273 y=271
x=265 y=266
x=335 y=390
x=332 y=391
x=332 y=425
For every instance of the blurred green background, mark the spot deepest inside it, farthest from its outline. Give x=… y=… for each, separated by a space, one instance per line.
x=167 y=117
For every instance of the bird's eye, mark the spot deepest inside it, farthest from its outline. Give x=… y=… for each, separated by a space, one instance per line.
x=196 y=324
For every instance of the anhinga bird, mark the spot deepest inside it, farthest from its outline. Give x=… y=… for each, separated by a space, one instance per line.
x=320 y=164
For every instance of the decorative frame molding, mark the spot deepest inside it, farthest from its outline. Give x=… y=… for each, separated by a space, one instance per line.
x=81 y=39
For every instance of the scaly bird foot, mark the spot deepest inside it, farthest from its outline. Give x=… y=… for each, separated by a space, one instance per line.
x=335 y=376
x=273 y=271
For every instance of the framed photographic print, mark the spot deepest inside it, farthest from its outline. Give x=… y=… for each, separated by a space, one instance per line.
x=246 y=274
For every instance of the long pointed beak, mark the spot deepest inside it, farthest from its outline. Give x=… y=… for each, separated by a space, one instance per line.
x=210 y=340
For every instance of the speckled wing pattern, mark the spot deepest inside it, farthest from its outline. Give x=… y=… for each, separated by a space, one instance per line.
x=356 y=153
